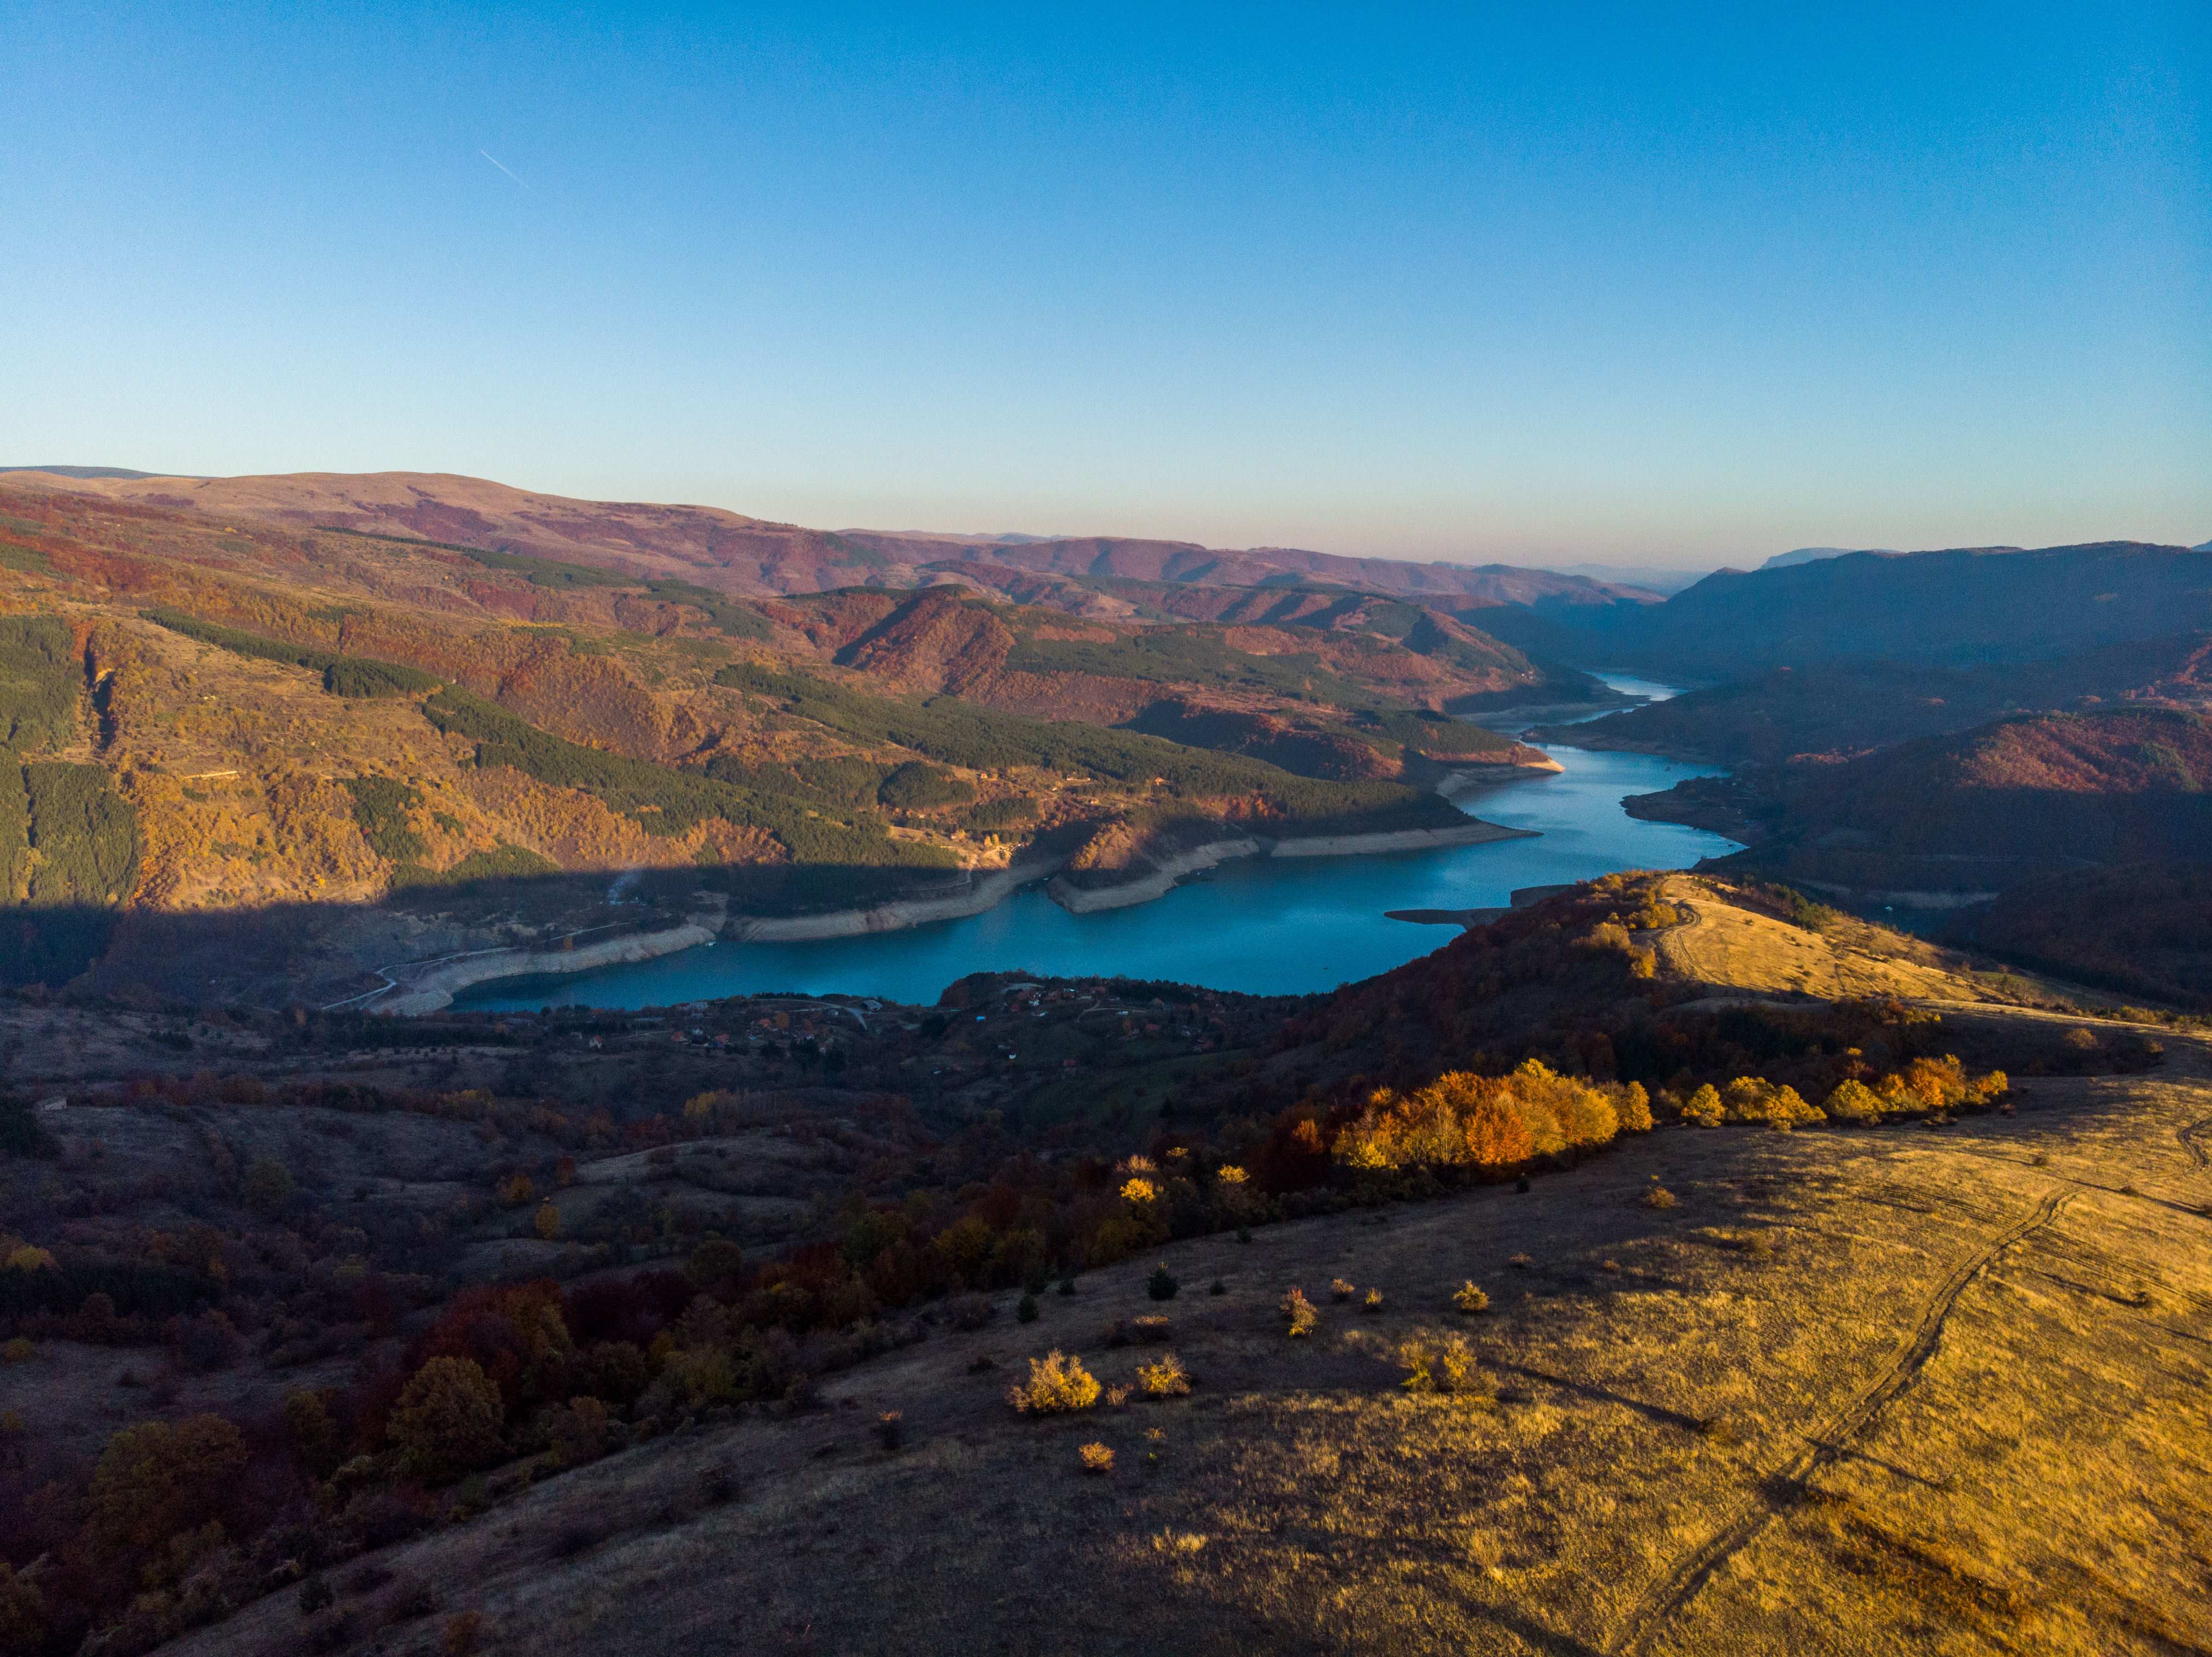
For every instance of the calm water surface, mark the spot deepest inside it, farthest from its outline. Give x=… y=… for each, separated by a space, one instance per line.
x=1258 y=925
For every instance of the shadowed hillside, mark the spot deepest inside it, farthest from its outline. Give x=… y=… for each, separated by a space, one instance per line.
x=2139 y=929
x=1951 y=821
x=1841 y=710
x=1950 y=609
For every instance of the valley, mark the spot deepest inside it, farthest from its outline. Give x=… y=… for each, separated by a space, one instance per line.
x=1137 y=834
x=566 y=1073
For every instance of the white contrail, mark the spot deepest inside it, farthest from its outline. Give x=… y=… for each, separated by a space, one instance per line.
x=501 y=165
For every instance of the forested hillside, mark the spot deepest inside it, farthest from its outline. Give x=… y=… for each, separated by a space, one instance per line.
x=209 y=718
x=1843 y=708
x=2108 y=787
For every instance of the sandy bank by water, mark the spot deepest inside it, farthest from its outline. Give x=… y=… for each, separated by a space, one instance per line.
x=1142 y=889
x=430 y=986
x=986 y=889
x=1472 y=833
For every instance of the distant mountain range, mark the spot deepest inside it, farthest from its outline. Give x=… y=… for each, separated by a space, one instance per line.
x=1814 y=554
x=731 y=552
x=1644 y=577
x=86 y=471
x=1952 y=608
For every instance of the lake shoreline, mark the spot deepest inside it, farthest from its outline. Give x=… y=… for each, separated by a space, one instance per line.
x=430 y=986
x=434 y=990
x=1249 y=923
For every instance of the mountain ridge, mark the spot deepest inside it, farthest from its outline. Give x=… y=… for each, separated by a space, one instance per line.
x=758 y=555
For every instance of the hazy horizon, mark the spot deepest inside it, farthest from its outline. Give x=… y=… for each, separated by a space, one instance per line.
x=1622 y=567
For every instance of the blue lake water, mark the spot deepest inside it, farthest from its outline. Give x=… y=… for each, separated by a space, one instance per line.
x=1259 y=925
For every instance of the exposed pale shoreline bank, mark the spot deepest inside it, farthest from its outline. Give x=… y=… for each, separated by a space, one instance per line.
x=1127 y=894
x=430 y=986
x=994 y=888
x=987 y=890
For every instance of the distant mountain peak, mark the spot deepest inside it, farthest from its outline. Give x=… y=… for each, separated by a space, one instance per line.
x=1814 y=554
x=95 y=472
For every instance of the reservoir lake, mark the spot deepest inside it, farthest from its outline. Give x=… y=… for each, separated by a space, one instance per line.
x=1254 y=924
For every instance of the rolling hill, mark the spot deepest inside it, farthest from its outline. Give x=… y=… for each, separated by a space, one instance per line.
x=1560 y=1291
x=1838 y=709
x=2071 y=842
x=731 y=552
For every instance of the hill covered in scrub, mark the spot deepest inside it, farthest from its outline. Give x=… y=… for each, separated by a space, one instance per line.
x=2073 y=843
x=2140 y=929
x=490 y=1317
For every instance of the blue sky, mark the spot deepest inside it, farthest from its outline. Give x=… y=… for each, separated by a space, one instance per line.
x=1531 y=284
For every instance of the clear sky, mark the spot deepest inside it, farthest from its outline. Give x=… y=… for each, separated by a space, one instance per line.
x=1647 y=285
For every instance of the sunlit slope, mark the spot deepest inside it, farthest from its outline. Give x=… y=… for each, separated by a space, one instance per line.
x=291 y=713
x=1724 y=942
x=1852 y=1390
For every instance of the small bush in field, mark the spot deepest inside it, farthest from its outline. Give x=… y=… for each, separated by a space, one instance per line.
x=890 y=1428
x=581 y=1537
x=1179 y=1542
x=1656 y=1195
x=314 y=1594
x=1026 y=1309
x=1468 y=1298
x=1440 y=1365
x=1299 y=1312
x=1152 y=1328
x=1117 y=1396
x=1160 y=1285
x=411 y=1596
x=1057 y=1384
x=1097 y=1459
x=1167 y=1378
x=1341 y=1290
x=1067 y=1285
x=1218 y=1287
x=1373 y=1303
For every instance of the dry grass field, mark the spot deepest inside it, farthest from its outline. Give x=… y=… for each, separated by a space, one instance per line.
x=1937 y=1389
x=1723 y=944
